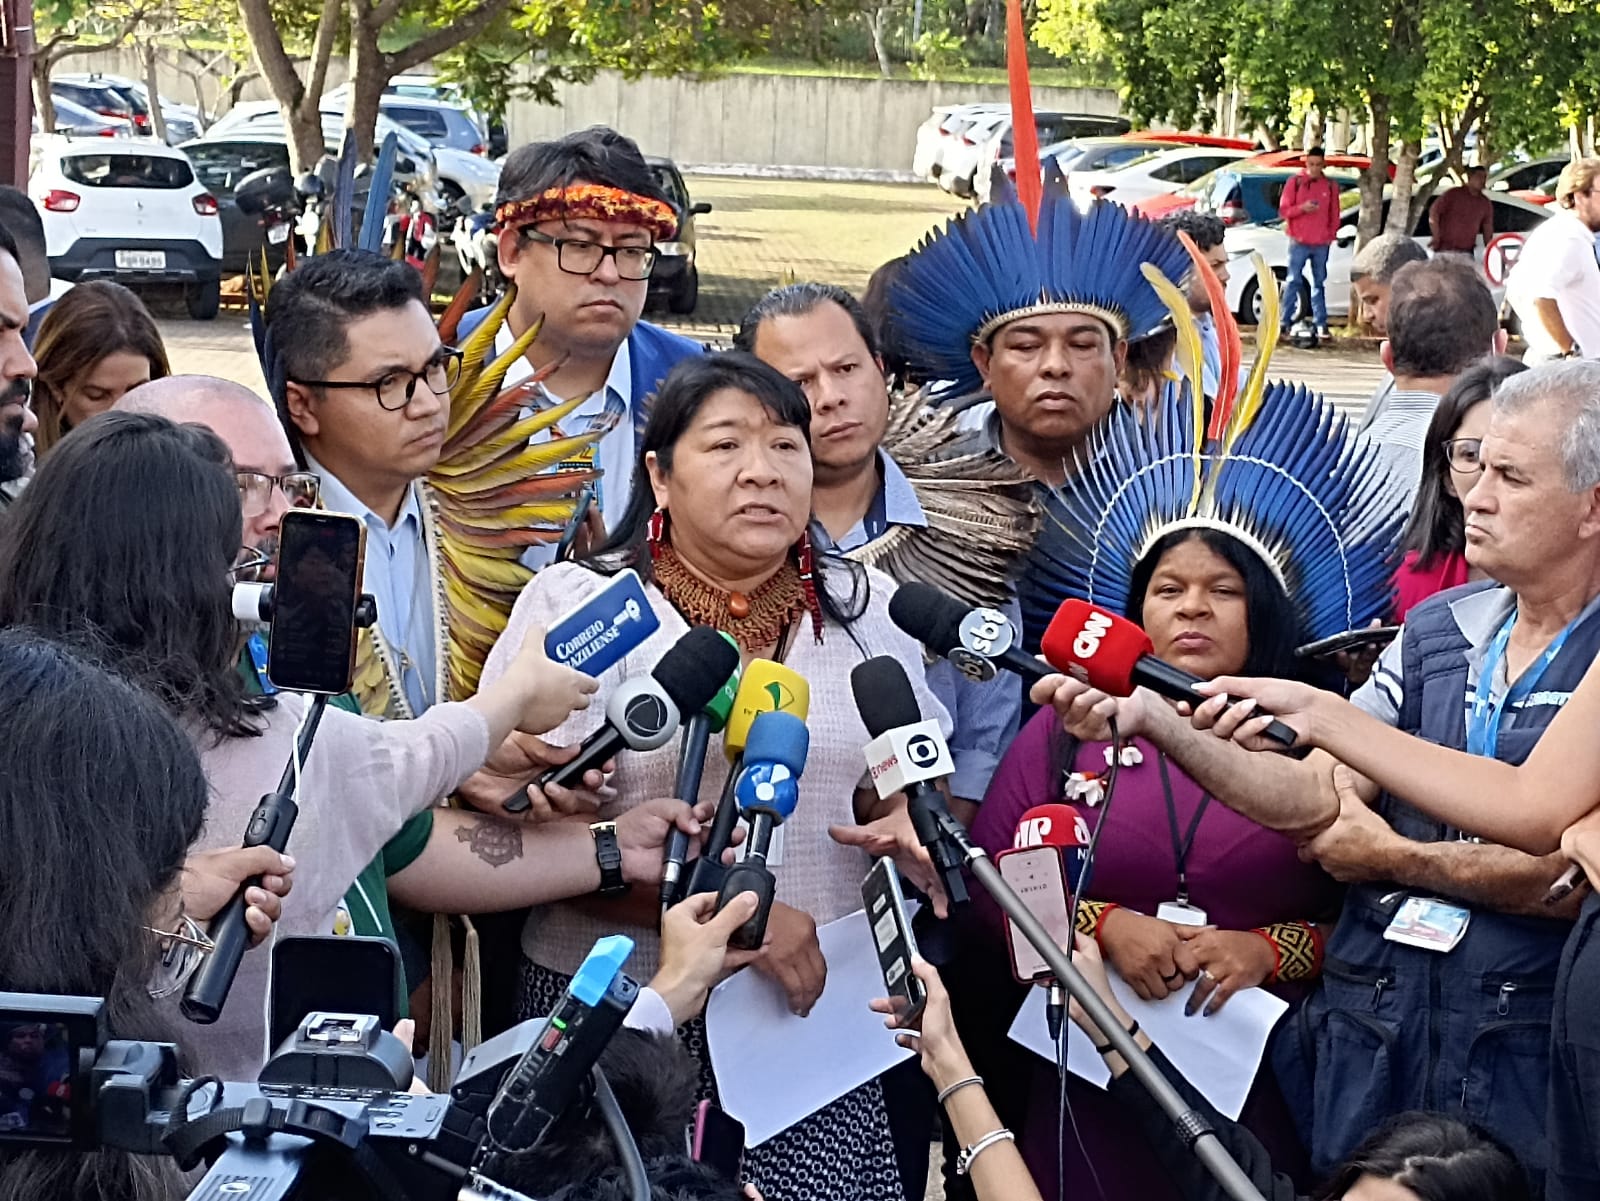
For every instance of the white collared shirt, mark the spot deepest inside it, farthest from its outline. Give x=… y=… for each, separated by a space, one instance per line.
x=616 y=449
x=397 y=574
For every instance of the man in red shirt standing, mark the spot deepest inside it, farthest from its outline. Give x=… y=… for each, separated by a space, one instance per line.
x=1459 y=217
x=1309 y=207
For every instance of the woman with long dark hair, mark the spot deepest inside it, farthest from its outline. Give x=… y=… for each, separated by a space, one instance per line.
x=1434 y=545
x=100 y=797
x=719 y=527
x=127 y=536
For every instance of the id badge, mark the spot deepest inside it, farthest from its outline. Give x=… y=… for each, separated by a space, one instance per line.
x=1429 y=923
x=1181 y=913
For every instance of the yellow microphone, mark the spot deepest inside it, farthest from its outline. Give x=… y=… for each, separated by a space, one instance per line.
x=765 y=687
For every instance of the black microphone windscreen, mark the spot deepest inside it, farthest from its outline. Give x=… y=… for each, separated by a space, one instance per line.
x=696 y=666
x=930 y=615
x=884 y=697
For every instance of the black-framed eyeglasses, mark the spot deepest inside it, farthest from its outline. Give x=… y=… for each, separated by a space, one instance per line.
x=395 y=389
x=300 y=489
x=1464 y=454
x=579 y=256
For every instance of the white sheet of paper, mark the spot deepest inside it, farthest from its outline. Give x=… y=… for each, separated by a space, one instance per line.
x=1219 y=1055
x=774 y=1069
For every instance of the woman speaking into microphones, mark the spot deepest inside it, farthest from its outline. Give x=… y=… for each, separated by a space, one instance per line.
x=718 y=528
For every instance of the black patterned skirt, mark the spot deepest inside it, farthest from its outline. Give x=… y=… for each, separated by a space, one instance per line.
x=843 y=1152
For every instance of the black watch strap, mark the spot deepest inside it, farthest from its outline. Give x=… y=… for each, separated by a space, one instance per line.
x=608 y=854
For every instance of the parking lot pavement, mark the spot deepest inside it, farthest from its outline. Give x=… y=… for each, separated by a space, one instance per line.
x=760 y=233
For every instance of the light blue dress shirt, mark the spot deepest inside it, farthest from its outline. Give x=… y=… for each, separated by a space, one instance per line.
x=1210 y=353
x=985 y=715
x=397 y=574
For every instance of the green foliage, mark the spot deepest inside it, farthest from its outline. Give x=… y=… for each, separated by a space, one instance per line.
x=937 y=53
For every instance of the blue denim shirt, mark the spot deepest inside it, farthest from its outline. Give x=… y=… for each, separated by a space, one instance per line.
x=985 y=715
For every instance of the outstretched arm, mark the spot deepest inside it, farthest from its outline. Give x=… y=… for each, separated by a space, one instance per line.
x=1526 y=807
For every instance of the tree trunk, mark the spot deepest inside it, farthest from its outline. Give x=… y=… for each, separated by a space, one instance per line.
x=1401 y=216
x=1370 y=223
x=158 y=120
x=369 y=75
x=41 y=93
x=878 y=19
x=298 y=100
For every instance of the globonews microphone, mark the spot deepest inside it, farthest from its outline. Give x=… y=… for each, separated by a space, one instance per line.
x=1043 y=867
x=767 y=791
x=979 y=642
x=1112 y=654
x=697 y=732
x=907 y=753
x=765 y=687
x=645 y=711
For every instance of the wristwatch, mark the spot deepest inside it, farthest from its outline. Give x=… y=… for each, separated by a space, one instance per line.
x=609 y=856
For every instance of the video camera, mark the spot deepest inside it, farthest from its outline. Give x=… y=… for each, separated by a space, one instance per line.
x=329 y=1117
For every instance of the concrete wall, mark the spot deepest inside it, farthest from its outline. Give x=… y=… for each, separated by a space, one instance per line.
x=772 y=120
x=748 y=120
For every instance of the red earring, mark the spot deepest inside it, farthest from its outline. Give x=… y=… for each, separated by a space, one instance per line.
x=655 y=538
x=805 y=560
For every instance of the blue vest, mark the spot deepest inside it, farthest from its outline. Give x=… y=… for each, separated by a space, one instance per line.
x=1394 y=1027
x=652 y=352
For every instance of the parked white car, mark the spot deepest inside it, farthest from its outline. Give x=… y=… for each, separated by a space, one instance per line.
x=1511 y=216
x=939 y=132
x=965 y=149
x=1155 y=174
x=130 y=210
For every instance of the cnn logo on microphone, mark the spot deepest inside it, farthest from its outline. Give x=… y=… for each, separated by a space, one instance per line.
x=1095 y=627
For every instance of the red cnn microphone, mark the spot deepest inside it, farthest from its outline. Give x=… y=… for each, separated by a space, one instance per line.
x=1112 y=654
x=1043 y=867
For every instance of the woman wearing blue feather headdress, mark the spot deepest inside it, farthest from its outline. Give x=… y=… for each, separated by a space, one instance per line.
x=1232 y=536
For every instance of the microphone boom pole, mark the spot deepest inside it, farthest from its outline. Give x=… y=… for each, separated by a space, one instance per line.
x=1189 y=1125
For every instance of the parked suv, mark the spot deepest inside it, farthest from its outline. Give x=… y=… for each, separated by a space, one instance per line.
x=676 y=277
x=128 y=209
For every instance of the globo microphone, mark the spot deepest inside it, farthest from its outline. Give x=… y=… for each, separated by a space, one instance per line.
x=1112 y=654
x=645 y=711
x=1045 y=888
x=767 y=791
x=978 y=641
x=907 y=753
x=697 y=732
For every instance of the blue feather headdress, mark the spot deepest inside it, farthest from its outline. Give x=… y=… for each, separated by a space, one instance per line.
x=1277 y=469
x=986 y=269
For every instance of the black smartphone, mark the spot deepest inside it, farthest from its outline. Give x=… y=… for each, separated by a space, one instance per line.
x=1376 y=636
x=580 y=514
x=333 y=973
x=717 y=1141
x=312 y=645
x=885 y=902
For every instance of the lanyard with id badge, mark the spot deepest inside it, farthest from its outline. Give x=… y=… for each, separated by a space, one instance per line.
x=1180 y=912
x=1429 y=922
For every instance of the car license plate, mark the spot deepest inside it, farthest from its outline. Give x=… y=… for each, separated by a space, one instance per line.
x=277 y=234
x=142 y=260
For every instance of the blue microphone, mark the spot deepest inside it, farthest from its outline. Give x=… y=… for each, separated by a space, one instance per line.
x=767 y=791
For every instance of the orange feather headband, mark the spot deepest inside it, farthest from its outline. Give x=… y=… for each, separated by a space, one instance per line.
x=596 y=202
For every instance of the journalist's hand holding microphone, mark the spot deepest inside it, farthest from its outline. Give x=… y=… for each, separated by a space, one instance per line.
x=535 y=695
x=694 y=949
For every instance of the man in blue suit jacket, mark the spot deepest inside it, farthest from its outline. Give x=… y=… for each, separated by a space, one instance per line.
x=579 y=219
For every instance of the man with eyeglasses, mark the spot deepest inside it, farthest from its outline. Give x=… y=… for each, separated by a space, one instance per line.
x=579 y=221
x=1555 y=285
x=364 y=399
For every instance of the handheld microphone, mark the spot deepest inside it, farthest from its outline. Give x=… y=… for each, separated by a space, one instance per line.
x=767 y=791
x=979 y=642
x=1059 y=835
x=1112 y=654
x=765 y=687
x=697 y=734
x=905 y=754
x=545 y=1081
x=645 y=711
